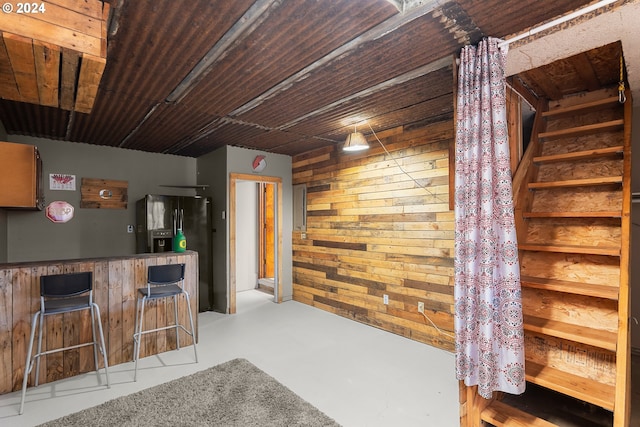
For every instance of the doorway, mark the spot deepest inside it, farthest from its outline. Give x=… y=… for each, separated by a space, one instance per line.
x=269 y=201
x=266 y=236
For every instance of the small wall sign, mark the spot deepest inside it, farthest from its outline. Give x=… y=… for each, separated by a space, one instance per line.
x=59 y=212
x=259 y=163
x=62 y=181
x=99 y=193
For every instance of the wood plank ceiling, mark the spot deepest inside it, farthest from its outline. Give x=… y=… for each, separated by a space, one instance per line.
x=282 y=76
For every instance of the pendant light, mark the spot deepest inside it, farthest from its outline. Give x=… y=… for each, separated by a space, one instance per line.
x=356 y=141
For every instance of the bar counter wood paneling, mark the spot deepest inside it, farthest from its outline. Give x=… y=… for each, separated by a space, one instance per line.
x=116 y=281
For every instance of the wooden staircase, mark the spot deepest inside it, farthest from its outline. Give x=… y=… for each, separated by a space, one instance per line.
x=572 y=202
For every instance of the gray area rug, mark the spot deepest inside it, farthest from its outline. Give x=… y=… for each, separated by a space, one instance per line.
x=235 y=393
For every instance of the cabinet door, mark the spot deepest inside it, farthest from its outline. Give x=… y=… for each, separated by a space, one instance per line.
x=19 y=180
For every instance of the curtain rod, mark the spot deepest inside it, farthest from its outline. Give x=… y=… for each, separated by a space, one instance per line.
x=560 y=20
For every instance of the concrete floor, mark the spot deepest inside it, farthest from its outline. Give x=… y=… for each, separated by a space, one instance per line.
x=356 y=374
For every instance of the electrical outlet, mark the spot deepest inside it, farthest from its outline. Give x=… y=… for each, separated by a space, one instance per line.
x=385 y=299
x=420 y=307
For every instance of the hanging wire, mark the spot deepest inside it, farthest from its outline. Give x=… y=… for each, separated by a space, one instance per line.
x=621 y=96
x=440 y=331
x=404 y=171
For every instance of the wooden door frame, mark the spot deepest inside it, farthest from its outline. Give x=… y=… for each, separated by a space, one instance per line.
x=277 y=286
x=267 y=226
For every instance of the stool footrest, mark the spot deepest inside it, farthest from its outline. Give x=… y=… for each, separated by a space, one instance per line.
x=55 y=350
x=148 y=331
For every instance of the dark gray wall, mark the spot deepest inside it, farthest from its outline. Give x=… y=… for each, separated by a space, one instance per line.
x=30 y=236
x=92 y=232
x=240 y=160
x=214 y=169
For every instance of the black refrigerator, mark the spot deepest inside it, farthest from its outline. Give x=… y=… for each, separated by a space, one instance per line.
x=159 y=216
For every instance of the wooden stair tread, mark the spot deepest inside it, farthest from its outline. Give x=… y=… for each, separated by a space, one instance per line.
x=572 y=385
x=582 y=334
x=502 y=415
x=586 y=107
x=573 y=214
x=582 y=130
x=587 y=289
x=581 y=155
x=607 y=180
x=589 y=250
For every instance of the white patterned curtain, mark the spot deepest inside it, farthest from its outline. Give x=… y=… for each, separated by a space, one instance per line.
x=488 y=304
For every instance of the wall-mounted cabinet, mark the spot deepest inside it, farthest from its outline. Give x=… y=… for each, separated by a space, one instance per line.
x=20 y=176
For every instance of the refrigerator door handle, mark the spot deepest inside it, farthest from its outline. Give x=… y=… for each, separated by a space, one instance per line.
x=175 y=219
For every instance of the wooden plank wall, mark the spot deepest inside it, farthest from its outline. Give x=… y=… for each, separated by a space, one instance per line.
x=115 y=284
x=53 y=52
x=372 y=230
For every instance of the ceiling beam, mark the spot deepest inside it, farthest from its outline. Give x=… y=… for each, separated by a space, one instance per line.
x=248 y=22
x=243 y=27
x=376 y=32
x=406 y=5
x=399 y=4
x=414 y=74
x=214 y=125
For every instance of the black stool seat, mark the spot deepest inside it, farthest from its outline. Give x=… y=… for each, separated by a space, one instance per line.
x=64 y=293
x=67 y=305
x=161 y=291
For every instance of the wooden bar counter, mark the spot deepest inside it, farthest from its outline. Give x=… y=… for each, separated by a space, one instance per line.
x=115 y=283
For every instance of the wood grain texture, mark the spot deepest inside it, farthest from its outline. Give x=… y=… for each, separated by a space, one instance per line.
x=6 y=322
x=61 y=26
x=43 y=52
x=574 y=255
x=20 y=51
x=380 y=224
x=104 y=193
x=91 y=70
x=115 y=286
x=47 y=59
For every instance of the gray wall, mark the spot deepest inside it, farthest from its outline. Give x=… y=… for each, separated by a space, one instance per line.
x=214 y=169
x=92 y=232
x=239 y=160
x=30 y=236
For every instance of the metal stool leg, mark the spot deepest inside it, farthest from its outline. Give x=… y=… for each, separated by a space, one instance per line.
x=139 y=334
x=37 y=356
x=28 y=365
x=103 y=347
x=193 y=334
x=135 y=330
x=175 y=314
x=95 y=342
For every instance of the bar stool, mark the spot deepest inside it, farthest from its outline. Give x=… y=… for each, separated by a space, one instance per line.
x=64 y=293
x=163 y=281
